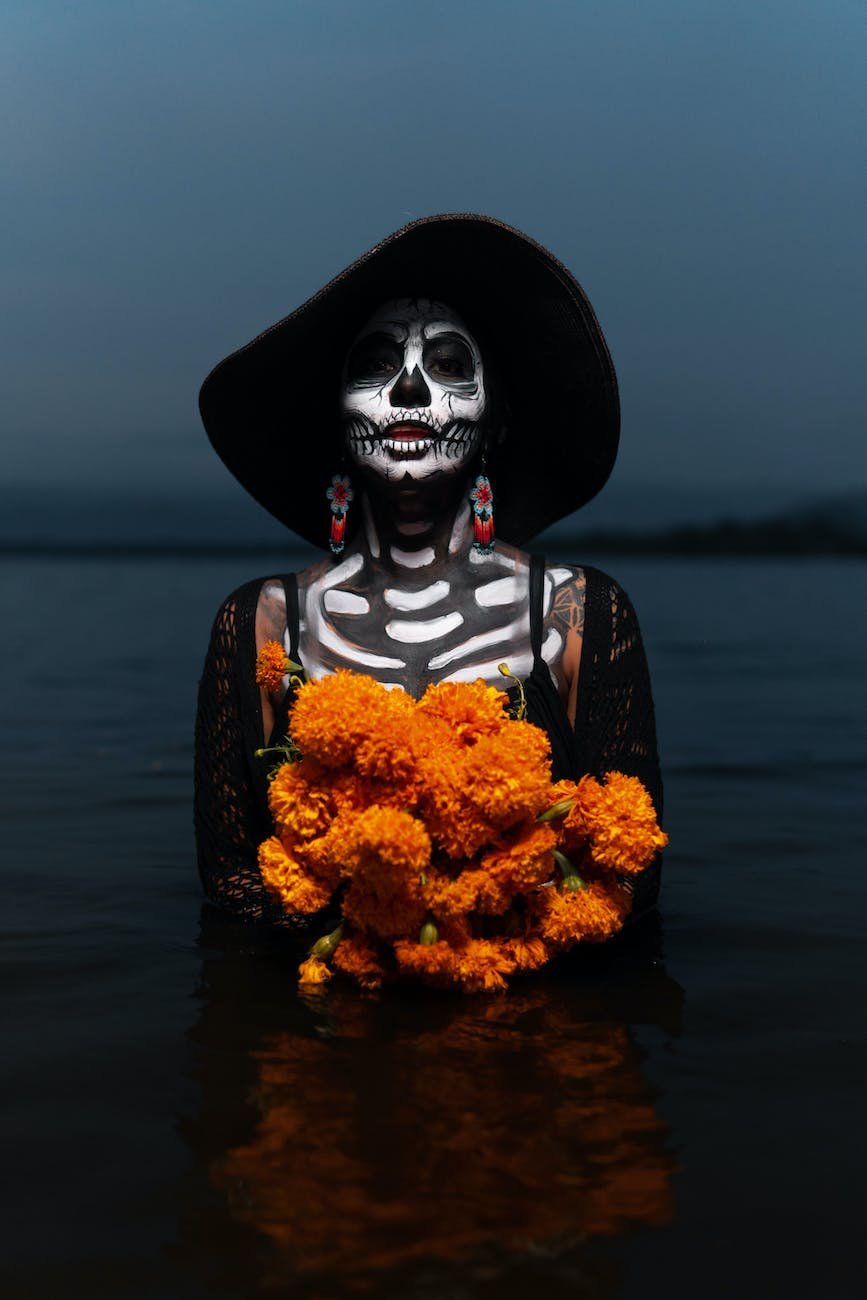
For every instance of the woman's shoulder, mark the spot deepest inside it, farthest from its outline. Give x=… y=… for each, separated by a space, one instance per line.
x=245 y=609
x=612 y=634
x=595 y=583
x=242 y=599
x=590 y=600
x=258 y=609
x=575 y=586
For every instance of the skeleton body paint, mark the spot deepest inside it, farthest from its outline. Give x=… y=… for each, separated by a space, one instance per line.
x=410 y=602
x=444 y=631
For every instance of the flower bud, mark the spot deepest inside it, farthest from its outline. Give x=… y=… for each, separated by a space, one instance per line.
x=326 y=946
x=429 y=934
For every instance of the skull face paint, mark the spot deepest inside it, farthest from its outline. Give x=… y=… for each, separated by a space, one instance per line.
x=413 y=395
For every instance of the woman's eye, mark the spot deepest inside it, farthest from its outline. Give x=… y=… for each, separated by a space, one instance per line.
x=450 y=360
x=374 y=359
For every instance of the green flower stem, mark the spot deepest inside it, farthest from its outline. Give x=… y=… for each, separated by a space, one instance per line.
x=556 y=811
x=571 y=879
x=327 y=946
x=290 y=753
x=506 y=671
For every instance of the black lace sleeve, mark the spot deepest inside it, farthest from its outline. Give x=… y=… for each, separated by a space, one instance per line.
x=615 y=725
x=230 y=809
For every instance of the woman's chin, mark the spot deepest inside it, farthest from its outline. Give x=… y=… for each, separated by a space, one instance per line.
x=426 y=465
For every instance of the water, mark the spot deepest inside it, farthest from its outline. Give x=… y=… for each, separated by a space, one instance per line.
x=680 y=1115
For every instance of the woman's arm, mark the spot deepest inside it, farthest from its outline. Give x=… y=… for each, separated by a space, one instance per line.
x=615 y=726
x=230 y=809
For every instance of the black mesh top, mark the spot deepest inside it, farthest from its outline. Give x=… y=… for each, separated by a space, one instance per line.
x=614 y=731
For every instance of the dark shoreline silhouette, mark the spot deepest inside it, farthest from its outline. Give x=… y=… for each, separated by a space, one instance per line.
x=724 y=539
x=835 y=526
x=730 y=537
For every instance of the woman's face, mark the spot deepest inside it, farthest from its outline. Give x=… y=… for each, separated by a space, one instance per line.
x=413 y=392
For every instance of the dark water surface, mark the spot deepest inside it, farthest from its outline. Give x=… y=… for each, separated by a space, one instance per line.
x=680 y=1115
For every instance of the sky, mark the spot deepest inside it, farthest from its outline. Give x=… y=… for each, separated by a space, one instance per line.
x=179 y=175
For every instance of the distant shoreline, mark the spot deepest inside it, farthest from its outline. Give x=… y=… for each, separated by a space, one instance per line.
x=725 y=541
x=52 y=525
x=778 y=537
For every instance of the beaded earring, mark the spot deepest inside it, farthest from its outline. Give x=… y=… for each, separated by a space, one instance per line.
x=339 y=494
x=482 y=499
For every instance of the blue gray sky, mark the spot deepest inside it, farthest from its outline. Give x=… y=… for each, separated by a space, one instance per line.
x=178 y=175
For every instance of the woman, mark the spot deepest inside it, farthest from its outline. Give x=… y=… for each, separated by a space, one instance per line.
x=454 y=389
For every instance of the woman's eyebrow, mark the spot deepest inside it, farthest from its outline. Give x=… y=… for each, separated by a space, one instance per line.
x=389 y=329
x=382 y=334
x=447 y=334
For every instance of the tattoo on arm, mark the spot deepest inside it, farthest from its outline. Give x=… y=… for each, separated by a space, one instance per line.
x=567 y=609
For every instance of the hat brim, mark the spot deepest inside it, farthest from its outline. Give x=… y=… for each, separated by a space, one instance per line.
x=271 y=408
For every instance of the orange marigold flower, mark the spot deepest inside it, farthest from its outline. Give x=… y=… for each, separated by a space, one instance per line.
x=449 y=815
x=347 y=792
x=473 y=890
x=593 y=913
x=387 y=754
x=382 y=837
x=300 y=807
x=447 y=897
x=561 y=790
x=385 y=852
x=470 y=709
x=527 y=951
x=522 y=859
x=619 y=820
x=284 y=876
x=322 y=857
x=313 y=971
x=333 y=717
x=360 y=959
x=512 y=773
x=470 y=796
x=271 y=667
x=483 y=964
x=433 y=963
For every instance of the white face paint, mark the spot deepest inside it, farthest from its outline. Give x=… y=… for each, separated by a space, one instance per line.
x=413 y=391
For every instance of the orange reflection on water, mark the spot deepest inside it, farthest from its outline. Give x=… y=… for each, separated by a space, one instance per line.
x=511 y=1123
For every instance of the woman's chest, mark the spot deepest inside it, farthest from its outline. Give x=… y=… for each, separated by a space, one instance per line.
x=413 y=629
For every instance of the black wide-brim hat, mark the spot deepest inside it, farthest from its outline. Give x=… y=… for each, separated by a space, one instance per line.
x=271 y=409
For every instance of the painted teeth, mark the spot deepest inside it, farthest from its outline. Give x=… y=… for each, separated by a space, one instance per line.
x=402 y=444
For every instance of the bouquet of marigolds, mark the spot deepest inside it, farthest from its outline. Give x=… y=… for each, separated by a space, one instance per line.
x=436 y=828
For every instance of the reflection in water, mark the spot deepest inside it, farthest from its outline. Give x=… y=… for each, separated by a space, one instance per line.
x=355 y=1138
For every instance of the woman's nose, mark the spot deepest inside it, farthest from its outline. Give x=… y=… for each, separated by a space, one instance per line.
x=410 y=389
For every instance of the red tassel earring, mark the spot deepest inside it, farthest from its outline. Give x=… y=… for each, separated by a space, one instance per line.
x=482 y=498
x=339 y=494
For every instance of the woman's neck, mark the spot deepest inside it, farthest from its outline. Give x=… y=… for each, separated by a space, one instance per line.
x=408 y=531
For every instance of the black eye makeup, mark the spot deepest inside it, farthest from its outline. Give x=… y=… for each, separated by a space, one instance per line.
x=448 y=358
x=374 y=360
